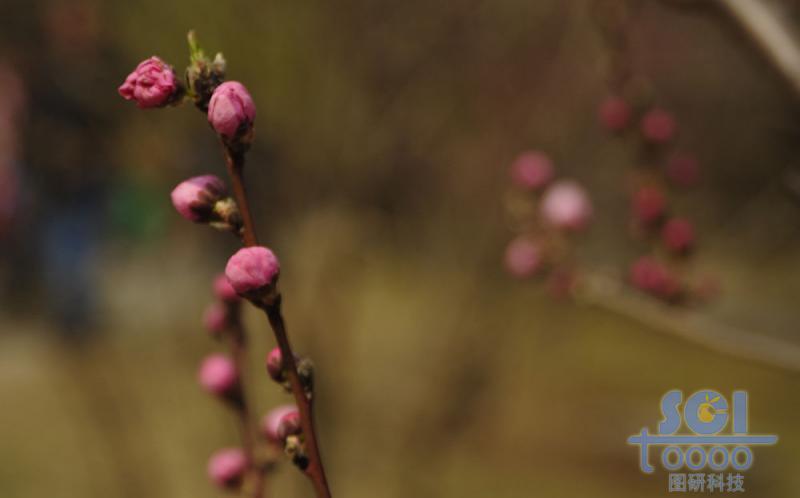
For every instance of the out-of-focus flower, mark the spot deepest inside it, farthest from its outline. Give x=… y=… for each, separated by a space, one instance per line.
x=678 y=235
x=532 y=170
x=648 y=205
x=218 y=375
x=614 y=113
x=226 y=468
x=523 y=257
x=658 y=126
x=651 y=276
x=566 y=205
x=223 y=289
x=683 y=170
x=215 y=318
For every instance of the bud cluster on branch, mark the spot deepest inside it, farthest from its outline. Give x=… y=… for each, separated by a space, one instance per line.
x=251 y=274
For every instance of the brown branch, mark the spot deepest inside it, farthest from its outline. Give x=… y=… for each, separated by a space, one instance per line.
x=601 y=290
x=234 y=161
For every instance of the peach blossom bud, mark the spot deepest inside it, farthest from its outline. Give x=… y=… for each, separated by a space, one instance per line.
x=151 y=84
x=253 y=271
x=288 y=425
x=648 y=205
x=215 y=318
x=523 y=257
x=678 y=235
x=224 y=291
x=658 y=126
x=270 y=424
x=227 y=467
x=231 y=110
x=566 y=205
x=275 y=364
x=196 y=197
x=218 y=375
x=614 y=113
x=532 y=170
x=683 y=170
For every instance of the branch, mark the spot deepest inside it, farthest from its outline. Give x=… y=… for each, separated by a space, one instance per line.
x=606 y=292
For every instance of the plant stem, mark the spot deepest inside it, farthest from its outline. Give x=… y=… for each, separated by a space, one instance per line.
x=234 y=161
x=315 y=470
x=239 y=353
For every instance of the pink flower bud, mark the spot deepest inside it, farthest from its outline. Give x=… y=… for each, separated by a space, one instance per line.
x=648 y=205
x=196 y=197
x=532 y=170
x=231 y=110
x=218 y=375
x=227 y=467
x=683 y=170
x=275 y=364
x=614 y=113
x=652 y=277
x=224 y=291
x=566 y=205
x=252 y=270
x=523 y=257
x=151 y=84
x=658 y=126
x=215 y=318
x=289 y=425
x=270 y=424
x=678 y=235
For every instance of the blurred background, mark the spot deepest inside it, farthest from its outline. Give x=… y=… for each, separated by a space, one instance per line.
x=379 y=175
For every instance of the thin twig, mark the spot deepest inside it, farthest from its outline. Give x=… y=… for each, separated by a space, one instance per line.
x=696 y=327
x=234 y=160
x=770 y=33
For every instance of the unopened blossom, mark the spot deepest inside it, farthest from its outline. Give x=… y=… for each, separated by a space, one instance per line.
x=614 y=113
x=227 y=467
x=270 y=424
x=648 y=204
x=218 y=375
x=223 y=290
x=231 y=110
x=196 y=198
x=532 y=170
x=566 y=205
x=152 y=84
x=252 y=270
x=678 y=235
x=523 y=257
x=658 y=126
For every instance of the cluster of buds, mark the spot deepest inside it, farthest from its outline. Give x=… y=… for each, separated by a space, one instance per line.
x=547 y=213
x=662 y=271
x=670 y=238
x=250 y=274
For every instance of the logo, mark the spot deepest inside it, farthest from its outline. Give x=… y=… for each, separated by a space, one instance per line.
x=701 y=440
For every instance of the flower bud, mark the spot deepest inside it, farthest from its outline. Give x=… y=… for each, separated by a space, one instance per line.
x=271 y=422
x=196 y=198
x=614 y=113
x=653 y=277
x=227 y=468
x=288 y=425
x=678 y=235
x=658 y=126
x=275 y=365
x=218 y=375
x=648 y=205
x=683 y=170
x=224 y=291
x=523 y=257
x=532 y=170
x=232 y=112
x=565 y=205
x=215 y=318
x=253 y=273
x=152 y=84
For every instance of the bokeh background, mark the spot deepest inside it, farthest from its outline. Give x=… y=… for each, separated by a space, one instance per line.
x=379 y=174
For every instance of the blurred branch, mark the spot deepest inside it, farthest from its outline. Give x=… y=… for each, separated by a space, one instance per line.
x=609 y=293
x=770 y=33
